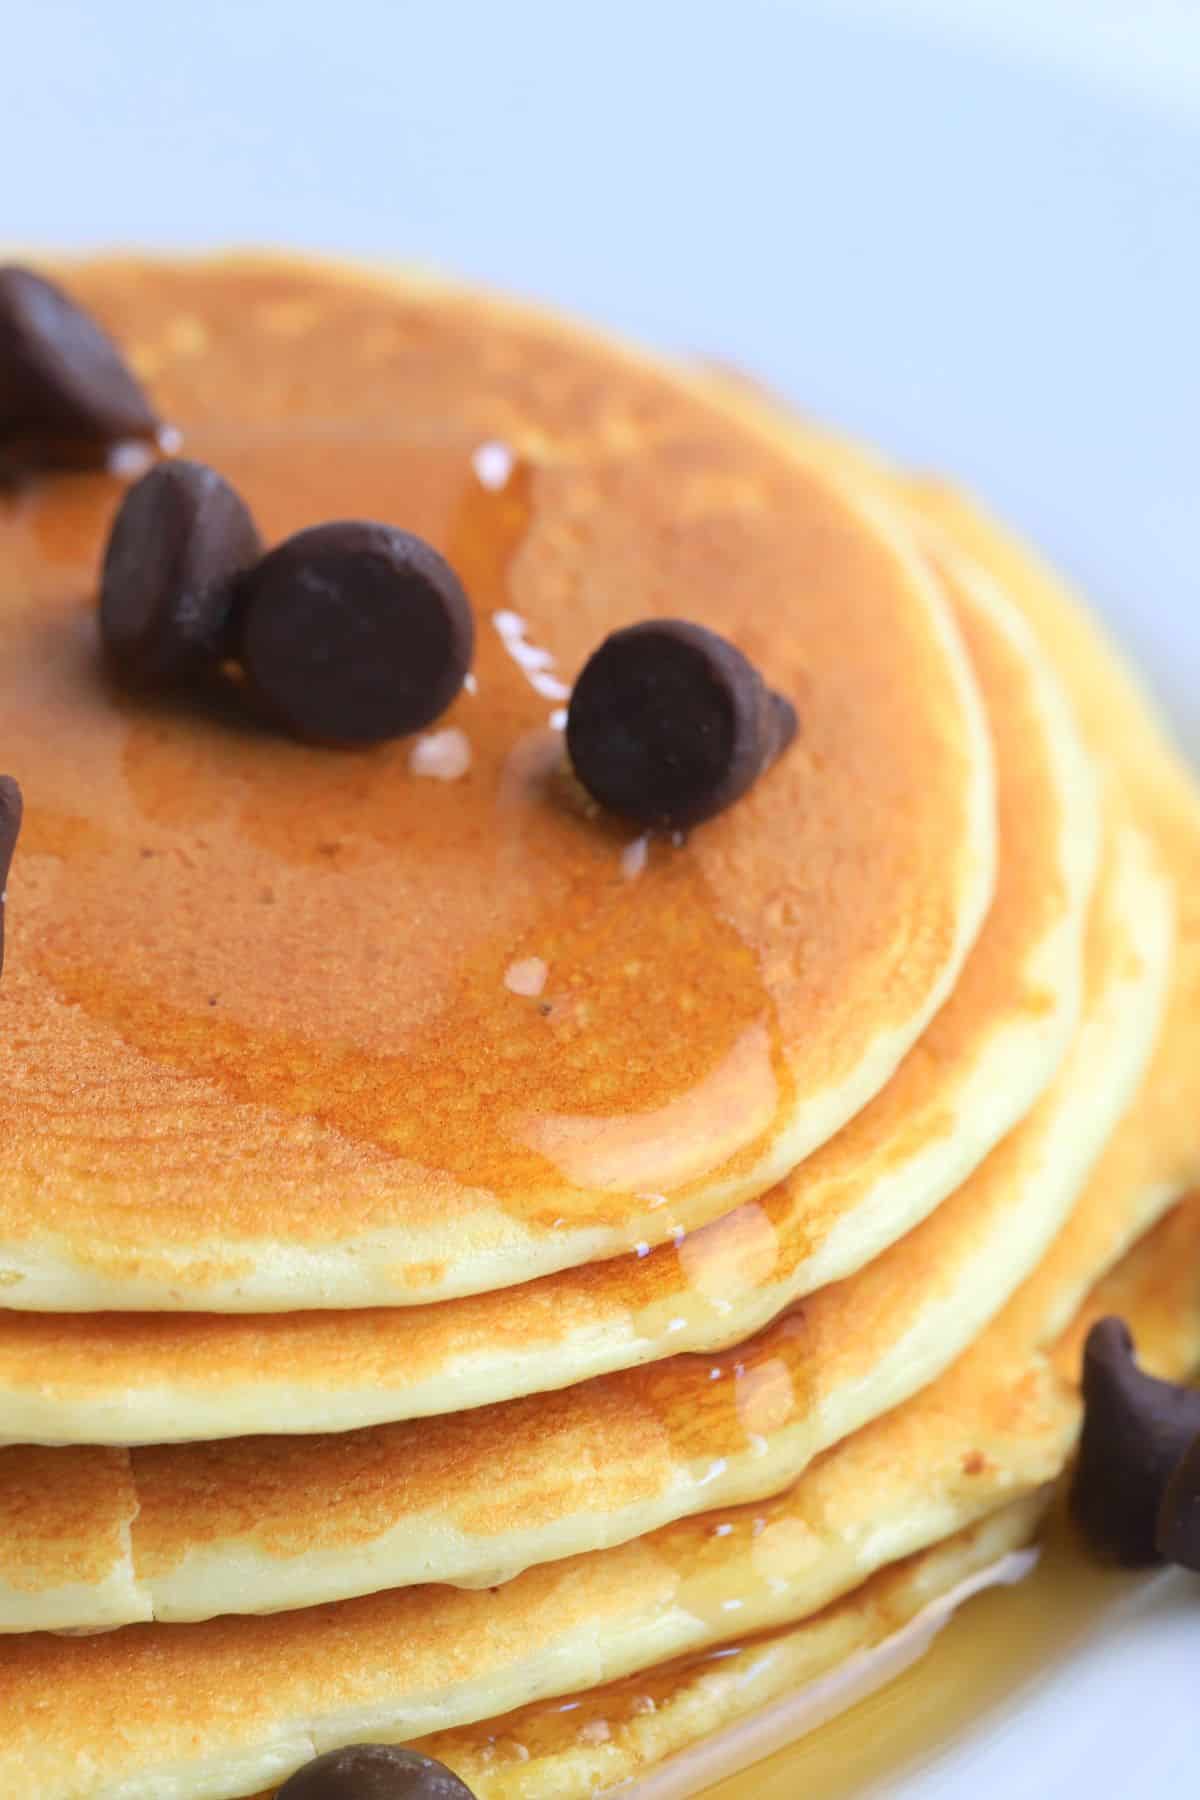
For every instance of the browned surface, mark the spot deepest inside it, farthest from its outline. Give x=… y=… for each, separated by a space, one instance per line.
x=180 y=1691
x=592 y=1742
x=611 y=1733
x=64 y=1516
x=256 y=992
x=1127 y=737
x=670 y=1438
x=722 y=1282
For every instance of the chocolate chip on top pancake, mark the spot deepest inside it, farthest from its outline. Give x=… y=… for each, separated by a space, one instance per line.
x=292 y=1027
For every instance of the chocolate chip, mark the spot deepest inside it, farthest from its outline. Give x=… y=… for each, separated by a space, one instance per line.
x=1135 y=1432
x=1179 y=1514
x=670 y=724
x=11 y=810
x=65 y=391
x=353 y=633
x=374 y=1772
x=180 y=539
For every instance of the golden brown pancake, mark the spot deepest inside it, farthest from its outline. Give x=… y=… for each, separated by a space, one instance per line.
x=262 y=1053
x=261 y=1524
x=1123 y=729
x=777 y=1688
x=982 y=1062
x=1126 y=735
x=612 y=1734
x=223 y=1708
x=882 y=1521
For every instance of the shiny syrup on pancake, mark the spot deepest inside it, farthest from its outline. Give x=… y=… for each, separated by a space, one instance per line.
x=597 y=1068
x=994 y=1649
x=996 y=1645
x=1000 y=1643
x=310 y=1011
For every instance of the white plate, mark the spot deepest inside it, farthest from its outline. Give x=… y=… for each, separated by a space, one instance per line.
x=969 y=231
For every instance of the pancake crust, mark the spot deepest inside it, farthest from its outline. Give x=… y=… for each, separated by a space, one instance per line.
x=65 y=1518
x=221 y=1709
x=978 y=1068
x=260 y=1524
x=261 y=1050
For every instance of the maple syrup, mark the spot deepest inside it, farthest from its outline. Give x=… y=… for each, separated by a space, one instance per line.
x=607 y=1085
x=211 y=918
x=998 y=1645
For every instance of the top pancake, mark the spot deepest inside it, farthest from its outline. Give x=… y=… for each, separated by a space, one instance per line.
x=983 y=1061
x=261 y=1050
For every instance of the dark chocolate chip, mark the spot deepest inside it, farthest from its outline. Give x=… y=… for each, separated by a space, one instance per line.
x=374 y=1772
x=1135 y=1432
x=670 y=724
x=65 y=391
x=179 y=541
x=353 y=633
x=11 y=810
x=1179 y=1515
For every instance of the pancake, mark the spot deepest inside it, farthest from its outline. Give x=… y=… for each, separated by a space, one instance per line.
x=777 y=1689
x=1121 y=725
x=982 y=1062
x=262 y=1524
x=591 y=1742
x=1125 y=733
x=261 y=1050
x=223 y=1708
x=875 y=1445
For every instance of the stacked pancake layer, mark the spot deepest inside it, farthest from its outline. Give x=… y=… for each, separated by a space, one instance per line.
x=459 y=1254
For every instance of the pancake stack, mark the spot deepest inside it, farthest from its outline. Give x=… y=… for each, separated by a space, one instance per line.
x=483 y=1275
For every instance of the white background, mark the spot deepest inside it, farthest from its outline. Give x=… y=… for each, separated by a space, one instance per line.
x=971 y=230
